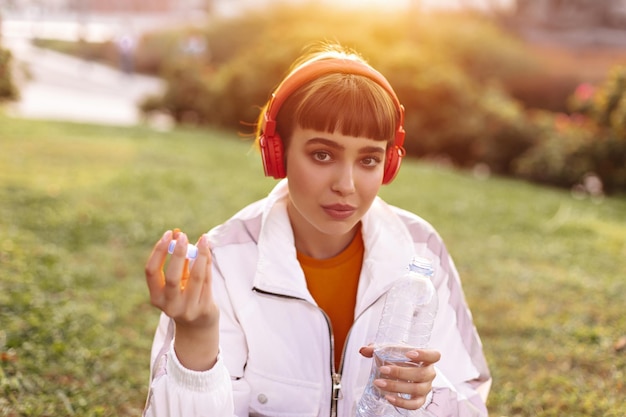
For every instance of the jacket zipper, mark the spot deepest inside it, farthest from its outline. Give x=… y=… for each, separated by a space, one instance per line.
x=336 y=393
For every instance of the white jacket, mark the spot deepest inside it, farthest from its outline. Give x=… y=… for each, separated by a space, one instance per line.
x=276 y=349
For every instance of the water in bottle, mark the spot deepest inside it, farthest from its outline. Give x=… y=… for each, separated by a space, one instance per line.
x=406 y=323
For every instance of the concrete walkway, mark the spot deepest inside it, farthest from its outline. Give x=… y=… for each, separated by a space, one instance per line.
x=59 y=87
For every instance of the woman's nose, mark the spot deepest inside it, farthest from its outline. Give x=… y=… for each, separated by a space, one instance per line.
x=344 y=180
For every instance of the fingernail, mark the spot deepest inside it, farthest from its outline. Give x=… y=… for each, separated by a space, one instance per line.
x=380 y=383
x=204 y=241
x=391 y=399
x=182 y=238
x=166 y=236
x=412 y=354
x=384 y=370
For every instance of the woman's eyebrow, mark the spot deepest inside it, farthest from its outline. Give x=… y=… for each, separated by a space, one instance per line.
x=324 y=141
x=339 y=146
x=372 y=149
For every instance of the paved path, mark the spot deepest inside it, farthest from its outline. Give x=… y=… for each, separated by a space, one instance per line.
x=60 y=87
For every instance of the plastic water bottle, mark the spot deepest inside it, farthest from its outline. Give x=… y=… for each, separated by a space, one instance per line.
x=406 y=324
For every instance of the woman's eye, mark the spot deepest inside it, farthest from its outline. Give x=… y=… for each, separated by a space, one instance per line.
x=321 y=156
x=370 y=161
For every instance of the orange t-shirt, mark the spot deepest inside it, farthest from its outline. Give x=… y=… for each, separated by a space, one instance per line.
x=333 y=284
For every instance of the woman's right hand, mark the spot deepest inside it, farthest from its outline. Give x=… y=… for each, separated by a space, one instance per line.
x=187 y=300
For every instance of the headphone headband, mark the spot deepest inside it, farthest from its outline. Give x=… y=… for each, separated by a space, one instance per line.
x=269 y=141
x=315 y=69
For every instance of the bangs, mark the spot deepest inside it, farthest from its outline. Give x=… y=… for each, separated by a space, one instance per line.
x=351 y=105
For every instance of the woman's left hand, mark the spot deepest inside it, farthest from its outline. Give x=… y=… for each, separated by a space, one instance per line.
x=407 y=386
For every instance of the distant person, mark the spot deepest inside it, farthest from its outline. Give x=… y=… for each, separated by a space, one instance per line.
x=279 y=310
x=126 y=45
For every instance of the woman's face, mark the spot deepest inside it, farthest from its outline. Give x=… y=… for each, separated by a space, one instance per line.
x=333 y=180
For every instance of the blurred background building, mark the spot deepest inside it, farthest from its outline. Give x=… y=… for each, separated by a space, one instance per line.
x=553 y=14
x=37 y=6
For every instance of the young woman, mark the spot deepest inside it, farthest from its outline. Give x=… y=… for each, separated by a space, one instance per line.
x=279 y=310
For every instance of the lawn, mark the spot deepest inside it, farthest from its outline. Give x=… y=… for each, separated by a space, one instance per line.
x=81 y=206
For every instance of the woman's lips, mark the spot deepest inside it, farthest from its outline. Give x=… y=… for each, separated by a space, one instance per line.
x=339 y=211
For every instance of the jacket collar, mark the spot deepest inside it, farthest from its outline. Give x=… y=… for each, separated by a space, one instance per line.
x=278 y=269
x=388 y=251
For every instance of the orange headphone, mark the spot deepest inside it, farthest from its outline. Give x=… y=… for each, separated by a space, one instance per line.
x=270 y=143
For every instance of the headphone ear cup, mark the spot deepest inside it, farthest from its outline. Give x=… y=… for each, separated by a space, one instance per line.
x=392 y=164
x=272 y=154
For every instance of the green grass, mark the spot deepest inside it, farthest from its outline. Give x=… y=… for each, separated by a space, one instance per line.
x=81 y=206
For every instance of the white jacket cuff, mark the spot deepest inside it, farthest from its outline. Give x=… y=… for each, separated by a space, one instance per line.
x=200 y=381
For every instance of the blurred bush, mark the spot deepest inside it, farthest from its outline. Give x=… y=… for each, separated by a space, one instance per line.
x=454 y=117
x=186 y=95
x=591 y=141
x=449 y=71
x=606 y=108
x=474 y=94
x=543 y=89
x=8 y=89
x=560 y=156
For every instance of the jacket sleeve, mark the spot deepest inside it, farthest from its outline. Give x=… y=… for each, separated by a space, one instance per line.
x=177 y=391
x=463 y=378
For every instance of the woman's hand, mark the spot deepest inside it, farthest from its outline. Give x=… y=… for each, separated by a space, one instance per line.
x=407 y=386
x=186 y=297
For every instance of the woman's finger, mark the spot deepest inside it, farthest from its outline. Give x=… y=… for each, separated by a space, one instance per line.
x=409 y=372
x=175 y=268
x=367 y=351
x=154 y=266
x=407 y=401
x=424 y=357
x=206 y=296
x=197 y=277
x=409 y=395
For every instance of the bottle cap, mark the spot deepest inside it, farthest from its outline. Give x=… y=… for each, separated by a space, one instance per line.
x=192 y=250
